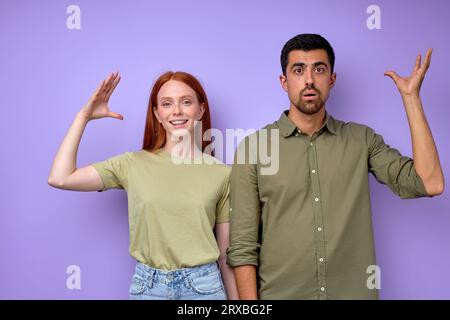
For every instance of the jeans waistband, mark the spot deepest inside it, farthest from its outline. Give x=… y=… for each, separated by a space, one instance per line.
x=165 y=276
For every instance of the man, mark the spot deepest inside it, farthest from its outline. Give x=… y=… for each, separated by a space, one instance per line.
x=305 y=232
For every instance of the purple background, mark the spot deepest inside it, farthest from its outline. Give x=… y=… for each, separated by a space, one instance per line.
x=48 y=72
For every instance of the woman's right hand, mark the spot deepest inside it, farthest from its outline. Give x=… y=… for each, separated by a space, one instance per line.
x=97 y=106
x=64 y=173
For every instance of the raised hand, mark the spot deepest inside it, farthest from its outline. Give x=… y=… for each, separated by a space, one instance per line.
x=411 y=85
x=97 y=106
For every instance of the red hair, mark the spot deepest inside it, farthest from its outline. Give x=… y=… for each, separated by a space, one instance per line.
x=154 y=133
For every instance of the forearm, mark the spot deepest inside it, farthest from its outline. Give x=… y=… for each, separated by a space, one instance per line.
x=64 y=163
x=426 y=158
x=246 y=282
x=229 y=280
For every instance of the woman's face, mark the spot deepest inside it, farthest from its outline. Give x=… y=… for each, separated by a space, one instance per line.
x=178 y=108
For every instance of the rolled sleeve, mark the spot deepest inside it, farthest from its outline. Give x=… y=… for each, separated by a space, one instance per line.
x=113 y=172
x=223 y=206
x=391 y=168
x=245 y=215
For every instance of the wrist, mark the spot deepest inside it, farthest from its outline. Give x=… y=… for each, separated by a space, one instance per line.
x=83 y=116
x=410 y=95
x=411 y=99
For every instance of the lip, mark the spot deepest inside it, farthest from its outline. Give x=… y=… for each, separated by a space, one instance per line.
x=178 y=123
x=310 y=95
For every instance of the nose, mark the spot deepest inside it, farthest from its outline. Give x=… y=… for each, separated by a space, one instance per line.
x=177 y=109
x=309 y=78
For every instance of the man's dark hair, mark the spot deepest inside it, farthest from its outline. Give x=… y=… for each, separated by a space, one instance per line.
x=306 y=42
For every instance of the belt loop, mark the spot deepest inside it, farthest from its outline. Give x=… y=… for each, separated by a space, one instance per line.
x=152 y=275
x=186 y=279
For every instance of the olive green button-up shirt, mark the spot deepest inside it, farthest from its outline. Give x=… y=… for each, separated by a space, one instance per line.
x=308 y=227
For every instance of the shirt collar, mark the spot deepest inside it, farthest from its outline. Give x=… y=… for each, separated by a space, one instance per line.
x=287 y=127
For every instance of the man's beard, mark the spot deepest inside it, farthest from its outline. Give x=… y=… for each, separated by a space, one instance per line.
x=309 y=107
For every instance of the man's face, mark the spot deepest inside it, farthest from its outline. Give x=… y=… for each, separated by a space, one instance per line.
x=308 y=80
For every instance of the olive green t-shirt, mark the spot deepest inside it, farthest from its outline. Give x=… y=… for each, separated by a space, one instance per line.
x=172 y=208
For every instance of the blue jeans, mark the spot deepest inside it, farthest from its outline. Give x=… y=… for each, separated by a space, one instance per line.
x=197 y=283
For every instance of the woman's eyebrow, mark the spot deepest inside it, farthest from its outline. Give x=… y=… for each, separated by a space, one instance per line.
x=171 y=98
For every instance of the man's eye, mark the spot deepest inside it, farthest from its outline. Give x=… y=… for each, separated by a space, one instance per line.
x=298 y=71
x=320 y=69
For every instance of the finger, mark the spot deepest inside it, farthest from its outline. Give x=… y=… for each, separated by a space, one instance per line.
x=114 y=75
x=108 y=82
x=105 y=84
x=391 y=74
x=427 y=61
x=417 y=64
x=113 y=86
x=115 y=115
x=99 y=88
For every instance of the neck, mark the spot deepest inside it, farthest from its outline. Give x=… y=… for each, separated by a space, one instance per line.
x=307 y=123
x=182 y=148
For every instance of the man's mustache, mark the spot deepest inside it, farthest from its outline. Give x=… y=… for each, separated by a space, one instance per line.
x=310 y=88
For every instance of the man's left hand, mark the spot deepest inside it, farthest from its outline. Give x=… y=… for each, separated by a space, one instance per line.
x=411 y=85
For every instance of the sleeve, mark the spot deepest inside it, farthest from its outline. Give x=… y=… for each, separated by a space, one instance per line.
x=223 y=206
x=244 y=212
x=114 y=171
x=391 y=168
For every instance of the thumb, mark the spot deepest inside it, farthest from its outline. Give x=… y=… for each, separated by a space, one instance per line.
x=391 y=74
x=115 y=115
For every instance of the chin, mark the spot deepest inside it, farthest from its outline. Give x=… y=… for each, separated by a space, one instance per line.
x=181 y=132
x=309 y=109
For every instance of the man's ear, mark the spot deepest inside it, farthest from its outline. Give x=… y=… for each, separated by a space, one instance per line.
x=283 y=82
x=332 y=80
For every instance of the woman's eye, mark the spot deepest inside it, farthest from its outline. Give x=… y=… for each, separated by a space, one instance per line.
x=187 y=102
x=166 y=104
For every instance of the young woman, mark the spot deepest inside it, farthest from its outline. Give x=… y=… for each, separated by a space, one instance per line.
x=178 y=212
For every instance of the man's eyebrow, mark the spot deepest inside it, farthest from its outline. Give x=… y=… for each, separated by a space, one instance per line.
x=315 y=64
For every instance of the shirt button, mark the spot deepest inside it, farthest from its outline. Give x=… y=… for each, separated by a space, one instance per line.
x=313 y=171
x=296 y=134
x=311 y=144
x=319 y=229
x=322 y=289
x=316 y=199
x=321 y=259
x=231 y=209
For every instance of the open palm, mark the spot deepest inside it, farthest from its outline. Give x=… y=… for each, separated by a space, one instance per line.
x=97 y=106
x=411 y=85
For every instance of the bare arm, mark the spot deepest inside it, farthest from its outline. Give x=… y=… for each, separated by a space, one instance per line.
x=246 y=282
x=223 y=241
x=64 y=173
x=426 y=158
